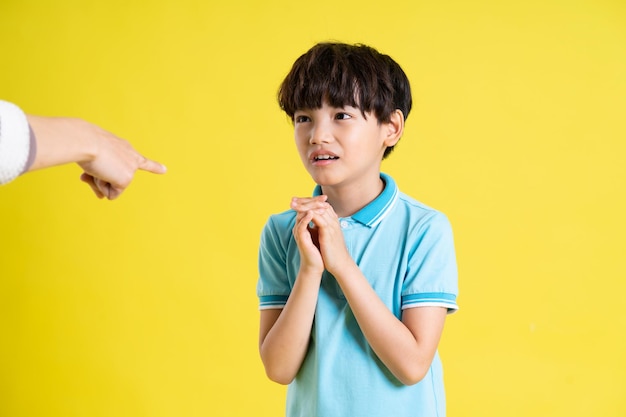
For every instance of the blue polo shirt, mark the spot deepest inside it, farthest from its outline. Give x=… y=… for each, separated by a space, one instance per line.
x=406 y=251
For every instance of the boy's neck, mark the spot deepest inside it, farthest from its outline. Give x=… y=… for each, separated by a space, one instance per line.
x=349 y=199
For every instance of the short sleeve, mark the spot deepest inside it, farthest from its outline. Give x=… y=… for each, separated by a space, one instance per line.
x=431 y=278
x=16 y=148
x=273 y=286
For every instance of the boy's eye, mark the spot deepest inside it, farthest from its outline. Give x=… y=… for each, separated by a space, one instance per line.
x=301 y=119
x=342 y=116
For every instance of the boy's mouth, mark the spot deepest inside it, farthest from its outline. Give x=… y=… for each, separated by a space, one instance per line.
x=324 y=157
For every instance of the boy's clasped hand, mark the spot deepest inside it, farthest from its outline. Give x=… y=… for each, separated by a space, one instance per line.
x=318 y=233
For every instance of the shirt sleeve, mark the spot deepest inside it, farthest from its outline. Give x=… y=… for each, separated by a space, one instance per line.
x=432 y=276
x=273 y=286
x=16 y=142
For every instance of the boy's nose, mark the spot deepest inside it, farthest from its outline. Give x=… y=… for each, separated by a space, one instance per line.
x=320 y=134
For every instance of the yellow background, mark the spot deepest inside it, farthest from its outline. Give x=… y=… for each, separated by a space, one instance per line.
x=146 y=306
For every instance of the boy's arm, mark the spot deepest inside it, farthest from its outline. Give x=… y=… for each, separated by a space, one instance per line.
x=406 y=346
x=284 y=334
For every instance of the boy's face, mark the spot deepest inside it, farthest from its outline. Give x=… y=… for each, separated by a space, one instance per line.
x=339 y=146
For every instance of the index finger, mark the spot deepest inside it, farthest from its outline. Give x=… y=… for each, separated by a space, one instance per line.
x=152 y=166
x=306 y=200
x=308 y=203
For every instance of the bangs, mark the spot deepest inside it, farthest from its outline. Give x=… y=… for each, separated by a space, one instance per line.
x=340 y=75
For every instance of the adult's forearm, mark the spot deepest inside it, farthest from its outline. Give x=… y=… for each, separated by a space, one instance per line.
x=61 y=140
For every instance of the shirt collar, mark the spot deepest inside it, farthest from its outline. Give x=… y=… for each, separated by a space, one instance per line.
x=374 y=212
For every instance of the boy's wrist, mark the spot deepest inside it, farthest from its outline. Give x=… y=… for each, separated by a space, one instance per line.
x=310 y=272
x=343 y=269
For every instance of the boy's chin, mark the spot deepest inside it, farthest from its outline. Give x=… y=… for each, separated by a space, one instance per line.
x=323 y=180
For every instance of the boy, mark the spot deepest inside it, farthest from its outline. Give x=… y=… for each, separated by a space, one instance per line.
x=356 y=281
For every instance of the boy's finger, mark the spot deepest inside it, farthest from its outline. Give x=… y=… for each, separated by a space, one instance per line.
x=310 y=203
x=321 y=197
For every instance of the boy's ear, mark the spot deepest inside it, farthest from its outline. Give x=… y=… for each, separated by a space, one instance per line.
x=394 y=128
